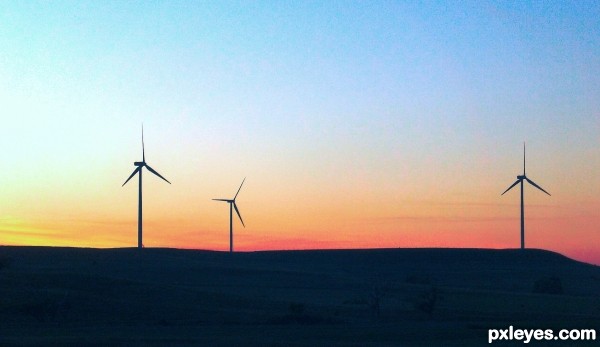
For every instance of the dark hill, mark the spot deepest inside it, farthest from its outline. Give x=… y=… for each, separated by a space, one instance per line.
x=75 y=296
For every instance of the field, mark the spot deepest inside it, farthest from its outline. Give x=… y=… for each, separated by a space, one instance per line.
x=405 y=297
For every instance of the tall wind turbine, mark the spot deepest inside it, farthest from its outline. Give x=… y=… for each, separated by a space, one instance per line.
x=520 y=179
x=232 y=205
x=139 y=166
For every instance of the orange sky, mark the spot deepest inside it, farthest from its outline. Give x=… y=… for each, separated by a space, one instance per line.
x=288 y=224
x=372 y=124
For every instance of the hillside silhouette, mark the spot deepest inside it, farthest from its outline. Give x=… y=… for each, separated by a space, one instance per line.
x=156 y=297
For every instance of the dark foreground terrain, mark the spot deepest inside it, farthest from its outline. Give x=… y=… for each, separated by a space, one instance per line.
x=405 y=297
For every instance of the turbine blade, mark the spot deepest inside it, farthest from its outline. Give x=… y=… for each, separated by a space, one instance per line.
x=535 y=185
x=133 y=174
x=236 y=194
x=238 y=213
x=509 y=188
x=156 y=173
x=226 y=200
x=523 y=158
x=143 y=152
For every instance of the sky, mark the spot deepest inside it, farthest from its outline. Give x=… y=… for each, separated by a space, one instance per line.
x=356 y=124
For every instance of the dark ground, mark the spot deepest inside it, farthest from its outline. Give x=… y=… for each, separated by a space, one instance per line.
x=403 y=297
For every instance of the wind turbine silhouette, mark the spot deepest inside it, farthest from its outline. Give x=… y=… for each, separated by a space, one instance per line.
x=520 y=179
x=140 y=165
x=232 y=205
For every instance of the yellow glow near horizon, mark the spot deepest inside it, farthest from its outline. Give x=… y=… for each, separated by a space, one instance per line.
x=387 y=124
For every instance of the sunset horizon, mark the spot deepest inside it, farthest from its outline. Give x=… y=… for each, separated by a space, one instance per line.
x=381 y=125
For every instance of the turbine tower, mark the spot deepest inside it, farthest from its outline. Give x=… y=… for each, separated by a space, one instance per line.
x=139 y=166
x=520 y=179
x=232 y=205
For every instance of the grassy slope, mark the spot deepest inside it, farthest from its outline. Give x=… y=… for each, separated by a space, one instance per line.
x=70 y=296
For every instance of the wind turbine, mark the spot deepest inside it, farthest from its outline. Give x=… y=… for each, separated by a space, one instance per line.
x=139 y=166
x=520 y=179
x=232 y=205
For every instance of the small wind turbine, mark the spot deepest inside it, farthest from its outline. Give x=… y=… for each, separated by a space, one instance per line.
x=520 y=179
x=140 y=165
x=232 y=205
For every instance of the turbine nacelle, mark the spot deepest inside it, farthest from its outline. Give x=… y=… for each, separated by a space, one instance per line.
x=139 y=163
x=521 y=177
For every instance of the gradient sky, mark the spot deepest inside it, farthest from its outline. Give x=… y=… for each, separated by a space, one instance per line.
x=357 y=124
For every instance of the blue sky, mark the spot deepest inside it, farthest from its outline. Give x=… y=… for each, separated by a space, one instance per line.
x=384 y=107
